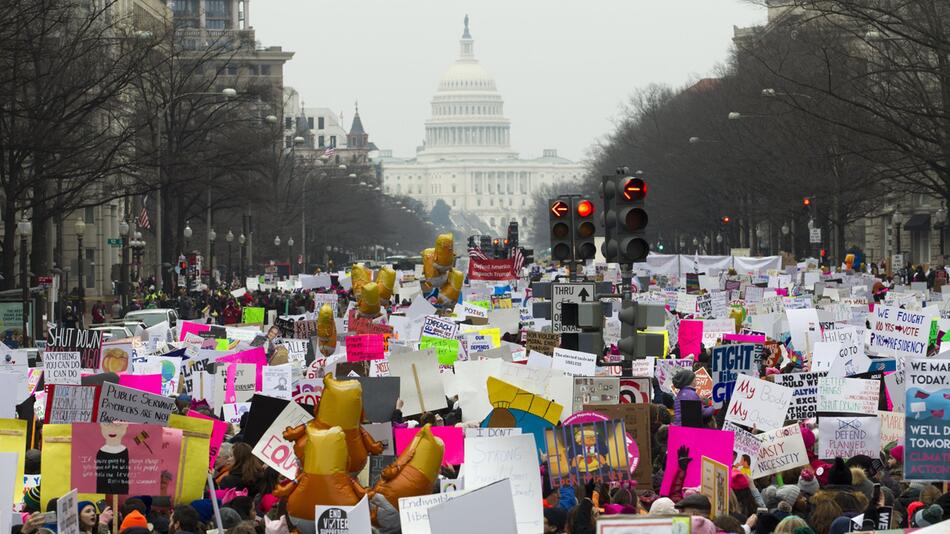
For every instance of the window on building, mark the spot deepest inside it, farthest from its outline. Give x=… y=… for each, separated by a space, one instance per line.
x=492 y=221
x=319 y=123
x=253 y=70
x=89 y=267
x=265 y=70
x=288 y=141
x=524 y=221
x=89 y=215
x=478 y=202
x=232 y=70
x=321 y=142
x=288 y=123
x=453 y=188
x=333 y=141
x=310 y=122
x=491 y=202
x=453 y=202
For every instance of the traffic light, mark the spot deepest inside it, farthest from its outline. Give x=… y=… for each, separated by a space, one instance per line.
x=585 y=230
x=625 y=220
x=634 y=317
x=559 y=218
x=806 y=201
x=513 y=234
x=726 y=219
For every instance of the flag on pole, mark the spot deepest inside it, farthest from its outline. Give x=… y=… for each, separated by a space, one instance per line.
x=518 y=256
x=142 y=219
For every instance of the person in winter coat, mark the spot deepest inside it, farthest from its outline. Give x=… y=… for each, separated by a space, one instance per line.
x=683 y=381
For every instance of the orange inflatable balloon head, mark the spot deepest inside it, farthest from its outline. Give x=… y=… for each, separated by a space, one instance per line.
x=368 y=303
x=415 y=469
x=849 y=261
x=444 y=252
x=360 y=276
x=386 y=280
x=342 y=406
x=326 y=330
x=449 y=292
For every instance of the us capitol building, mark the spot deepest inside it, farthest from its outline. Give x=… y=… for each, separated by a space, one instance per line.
x=467 y=159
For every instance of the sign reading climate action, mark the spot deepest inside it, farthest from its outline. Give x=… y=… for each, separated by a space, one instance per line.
x=927 y=430
x=494 y=270
x=897 y=332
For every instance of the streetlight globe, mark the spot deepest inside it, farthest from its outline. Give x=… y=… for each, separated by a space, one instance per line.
x=80 y=227
x=299 y=140
x=768 y=92
x=760 y=233
x=290 y=241
x=277 y=241
x=695 y=241
x=734 y=115
x=329 y=248
x=693 y=140
x=229 y=92
x=212 y=235
x=718 y=238
x=785 y=229
x=342 y=167
x=242 y=239
x=24 y=228
x=352 y=175
x=123 y=229
x=188 y=231
x=898 y=217
x=271 y=119
x=229 y=237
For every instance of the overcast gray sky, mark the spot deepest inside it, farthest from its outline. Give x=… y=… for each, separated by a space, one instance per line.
x=563 y=68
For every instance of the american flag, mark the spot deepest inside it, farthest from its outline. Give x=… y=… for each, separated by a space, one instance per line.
x=329 y=152
x=142 y=219
x=476 y=253
x=518 y=257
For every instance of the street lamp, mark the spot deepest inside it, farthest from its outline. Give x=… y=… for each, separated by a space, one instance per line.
x=277 y=241
x=80 y=228
x=940 y=222
x=188 y=233
x=229 y=238
x=25 y=229
x=124 y=271
x=138 y=246
x=242 y=240
x=898 y=219
x=290 y=256
x=211 y=281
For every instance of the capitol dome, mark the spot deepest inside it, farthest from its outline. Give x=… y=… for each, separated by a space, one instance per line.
x=467 y=120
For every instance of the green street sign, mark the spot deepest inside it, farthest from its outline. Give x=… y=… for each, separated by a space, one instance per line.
x=115 y=243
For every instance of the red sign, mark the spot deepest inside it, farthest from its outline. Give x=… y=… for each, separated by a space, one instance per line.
x=494 y=270
x=44 y=281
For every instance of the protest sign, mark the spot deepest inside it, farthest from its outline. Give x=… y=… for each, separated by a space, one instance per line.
x=233 y=382
x=305 y=329
x=636 y=423
x=800 y=322
x=87 y=342
x=690 y=337
x=119 y=403
x=62 y=368
x=343 y=519
x=927 y=446
x=543 y=342
x=364 y=347
x=438 y=327
x=848 y=436
x=728 y=362
x=847 y=395
x=150 y=383
x=666 y=368
x=465 y=514
x=414 y=511
x=759 y=404
x=252 y=315
x=488 y=460
x=804 y=388
x=583 y=451
x=67 y=513
x=899 y=332
x=746 y=447
x=117 y=458
x=453 y=438
x=71 y=404
x=715 y=485
x=780 y=449
x=625 y=524
x=420 y=386
x=491 y=270
x=714 y=329
x=8 y=478
x=574 y=362
x=695 y=442
x=379 y=397
x=595 y=391
x=824 y=355
x=480 y=432
x=447 y=350
x=277 y=382
x=892 y=429
x=273 y=449
x=234 y=411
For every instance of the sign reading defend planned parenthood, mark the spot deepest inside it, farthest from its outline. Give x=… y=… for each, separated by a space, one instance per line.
x=898 y=332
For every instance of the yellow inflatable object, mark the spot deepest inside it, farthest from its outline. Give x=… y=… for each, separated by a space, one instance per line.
x=368 y=302
x=386 y=280
x=428 y=264
x=322 y=479
x=444 y=253
x=449 y=292
x=849 y=261
x=360 y=276
x=326 y=330
x=415 y=470
x=342 y=405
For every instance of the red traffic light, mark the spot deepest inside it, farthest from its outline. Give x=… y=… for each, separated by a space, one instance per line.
x=585 y=208
x=506 y=242
x=495 y=242
x=806 y=202
x=559 y=208
x=726 y=219
x=634 y=189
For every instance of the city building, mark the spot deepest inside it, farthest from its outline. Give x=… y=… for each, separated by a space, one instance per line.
x=466 y=159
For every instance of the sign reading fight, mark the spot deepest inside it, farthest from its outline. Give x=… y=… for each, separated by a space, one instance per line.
x=899 y=332
x=728 y=362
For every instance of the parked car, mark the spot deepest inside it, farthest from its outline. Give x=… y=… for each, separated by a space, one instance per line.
x=112 y=331
x=154 y=316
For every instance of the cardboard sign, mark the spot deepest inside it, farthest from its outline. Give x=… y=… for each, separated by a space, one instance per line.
x=420 y=382
x=67 y=513
x=780 y=449
x=543 y=342
x=848 y=436
x=926 y=456
x=343 y=519
x=277 y=382
x=447 y=350
x=579 y=452
x=728 y=362
x=466 y=514
x=62 y=368
x=273 y=449
x=892 y=429
x=379 y=397
x=514 y=458
x=119 y=403
x=87 y=342
x=758 y=404
x=636 y=422
x=365 y=347
x=715 y=485
x=117 y=458
x=899 y=332
x=414 y=511
x=804 y=388
x=71 y=404
x=452 y=436
x=438 y=327
x=847 y=395
x=700 y=442
x=575 y=362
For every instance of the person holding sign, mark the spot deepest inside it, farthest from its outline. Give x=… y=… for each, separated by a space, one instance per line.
x=683 y=381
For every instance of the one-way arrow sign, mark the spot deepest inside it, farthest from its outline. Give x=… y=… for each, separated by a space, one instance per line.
x=583 y=295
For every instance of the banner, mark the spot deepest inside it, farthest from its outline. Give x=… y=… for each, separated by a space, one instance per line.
x=927 y=432
x=848 y=436
x=492 y=270
x=758 y=404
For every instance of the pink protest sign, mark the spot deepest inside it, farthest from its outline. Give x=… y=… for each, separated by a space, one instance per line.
x=217 y=434
x=744 y=338
x=256 y=356
x=690 y=337
x=146 y=383
x=452 y=436
x=696 y=443
x=117 y=458
x=364 y=347
x=188 y=327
